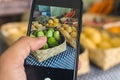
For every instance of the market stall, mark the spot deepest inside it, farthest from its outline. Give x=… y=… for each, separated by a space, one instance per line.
x=100 y=39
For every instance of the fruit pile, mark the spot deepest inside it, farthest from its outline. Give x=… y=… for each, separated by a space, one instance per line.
x=53 y=22
x=53 y=37
x=70 y=33
x=94 y=38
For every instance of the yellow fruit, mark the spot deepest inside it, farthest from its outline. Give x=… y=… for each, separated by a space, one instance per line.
x=104 y=45
x=115 y=42
x=86 y=42
x=65 y=26
x=50 y=21
x=74 y=35
x=56 y=20
x=65 y=33
x=93 y=34
x=74 y=29
x=105 y=36
x=56 y=24
x=68 y=29
x=35 y=23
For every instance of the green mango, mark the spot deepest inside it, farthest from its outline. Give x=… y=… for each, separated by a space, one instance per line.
x=49 y=33
x=51 y=29
x=57 y=35
x=40 y=34
x=33 y=36
x=45 y=46
x=52 y=42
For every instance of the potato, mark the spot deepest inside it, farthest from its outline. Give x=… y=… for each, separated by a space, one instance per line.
x=93 y=34
x=65 y=33
x=105 y=36
x=74 y=29
x=74 y=34
x=86 y=42
x=65 y=26
x=35 y=23
x=69 y=29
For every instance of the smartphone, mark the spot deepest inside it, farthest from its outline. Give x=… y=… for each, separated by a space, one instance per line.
x=61 y=22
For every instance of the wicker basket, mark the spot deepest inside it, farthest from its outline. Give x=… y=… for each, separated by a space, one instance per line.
x=43 y=55
x=84 y=63
x=12 y=31
x=105 y=59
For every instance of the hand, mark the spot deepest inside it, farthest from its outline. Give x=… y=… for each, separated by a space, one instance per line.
x=12 y=60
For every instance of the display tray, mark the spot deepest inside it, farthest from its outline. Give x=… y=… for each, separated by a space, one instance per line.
x=14 y=7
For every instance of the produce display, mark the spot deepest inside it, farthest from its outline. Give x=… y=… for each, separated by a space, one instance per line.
x=103 y=47
x=96 y=20
x=53 y=37
x=70 y=34
x=102 y=7
x=113 y=28
x=93 y=38
x=101 y=40
x=65 y=26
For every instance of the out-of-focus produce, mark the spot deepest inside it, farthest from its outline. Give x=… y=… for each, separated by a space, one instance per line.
x=102 y=7
x=113 y=28
x=104 y=48
x=93 y=38
x=53 y=22
x=13 y=31
x=96 y=20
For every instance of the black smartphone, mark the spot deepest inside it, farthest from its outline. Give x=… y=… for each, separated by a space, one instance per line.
x=61 y=22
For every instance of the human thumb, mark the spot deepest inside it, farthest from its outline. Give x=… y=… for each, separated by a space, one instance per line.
x=18 y=52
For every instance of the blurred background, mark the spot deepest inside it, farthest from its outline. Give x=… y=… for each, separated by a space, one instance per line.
x=100 y=37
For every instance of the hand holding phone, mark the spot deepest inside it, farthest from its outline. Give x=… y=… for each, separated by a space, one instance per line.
x=60 y=22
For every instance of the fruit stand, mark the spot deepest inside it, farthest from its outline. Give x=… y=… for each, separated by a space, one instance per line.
x=100 y=40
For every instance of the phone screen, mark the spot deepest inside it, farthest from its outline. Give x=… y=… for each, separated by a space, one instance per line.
x=57 y=58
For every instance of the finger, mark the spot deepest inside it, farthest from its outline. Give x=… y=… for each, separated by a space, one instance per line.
x=21 y=49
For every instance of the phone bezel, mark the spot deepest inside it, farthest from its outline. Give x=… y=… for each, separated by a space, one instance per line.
x=78 y=4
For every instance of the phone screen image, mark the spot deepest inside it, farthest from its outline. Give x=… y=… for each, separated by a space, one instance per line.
x=57 y=58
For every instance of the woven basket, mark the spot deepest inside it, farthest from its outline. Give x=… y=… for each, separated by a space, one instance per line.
x=9 y=37
x=43 y=55
x=105 y=59
x=84 y=63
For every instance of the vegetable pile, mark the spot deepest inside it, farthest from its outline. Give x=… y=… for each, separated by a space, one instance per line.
x=53 y=37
